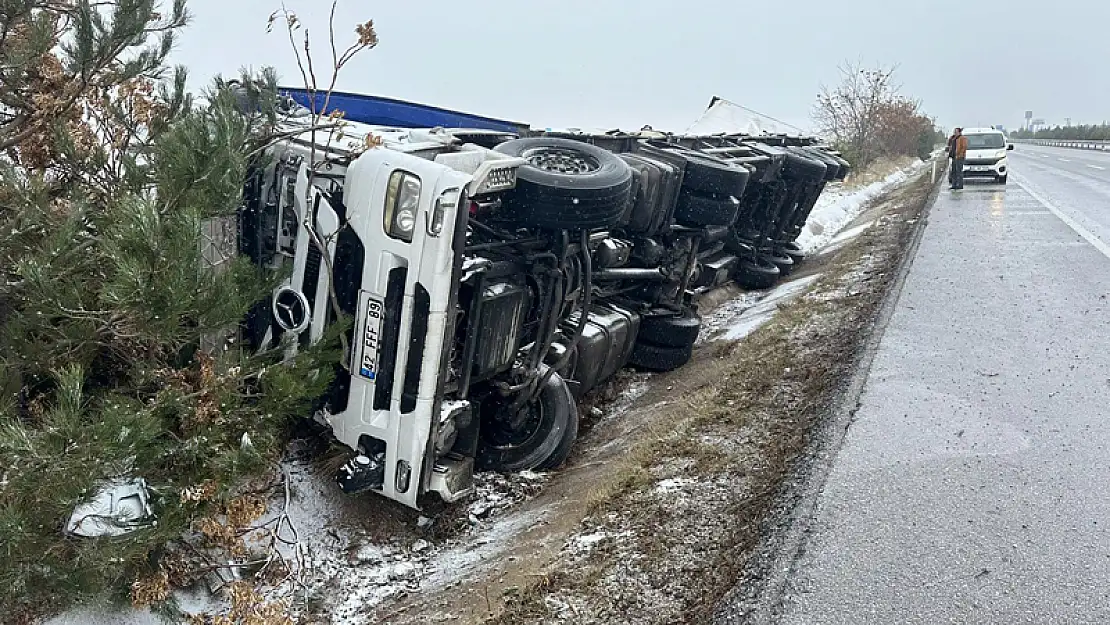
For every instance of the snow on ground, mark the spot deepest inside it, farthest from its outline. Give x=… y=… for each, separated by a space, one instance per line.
x=359 y=571
x=638 y=383
x=739 y=317
x=825 y=230
x=837 y=207
x=847 y=235
x=763 y=311
x=718 y=321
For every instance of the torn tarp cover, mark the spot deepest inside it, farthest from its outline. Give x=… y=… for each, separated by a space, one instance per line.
x=724 y=117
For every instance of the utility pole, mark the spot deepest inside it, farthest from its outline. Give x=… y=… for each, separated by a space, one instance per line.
x=1067 y=122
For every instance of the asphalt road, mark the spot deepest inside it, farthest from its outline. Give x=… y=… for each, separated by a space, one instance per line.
x=973 y=485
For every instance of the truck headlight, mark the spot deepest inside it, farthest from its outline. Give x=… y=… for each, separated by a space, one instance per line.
x=402 y=202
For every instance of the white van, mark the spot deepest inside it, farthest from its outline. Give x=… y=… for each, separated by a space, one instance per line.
x=986 y=154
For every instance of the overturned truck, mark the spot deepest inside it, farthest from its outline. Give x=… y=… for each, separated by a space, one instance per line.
x=495 y=274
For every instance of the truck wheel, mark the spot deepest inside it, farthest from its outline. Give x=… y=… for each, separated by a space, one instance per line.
x=799 y=166
x=697 y=210
x=783 y=261
x=659 y=358
x=670 y=330
x=845 y=167
x=709 y=176
x=566 y=184
x=794 y=251
x=1002 y=179
x=758 y=274
x=832 y=166
x=543 y=441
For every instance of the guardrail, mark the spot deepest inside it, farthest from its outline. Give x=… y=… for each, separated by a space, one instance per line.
x=1063 y=143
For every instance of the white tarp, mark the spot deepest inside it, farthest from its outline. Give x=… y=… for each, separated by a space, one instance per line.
x=724 y=117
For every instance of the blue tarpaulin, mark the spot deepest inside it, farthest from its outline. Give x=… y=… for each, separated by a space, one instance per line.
x=381 y=111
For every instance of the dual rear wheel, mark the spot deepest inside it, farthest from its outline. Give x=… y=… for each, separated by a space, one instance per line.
x=542 y=434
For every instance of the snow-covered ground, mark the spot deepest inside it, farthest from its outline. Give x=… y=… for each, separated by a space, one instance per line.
x=825 y=229
x=838 y=206
x=764 y=310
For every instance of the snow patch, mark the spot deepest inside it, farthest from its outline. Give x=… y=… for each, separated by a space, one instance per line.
x=755 y=316
x=583 y=542
x=837 y=207
x=671 y=485
x=713 y=324
x=848 y=234
x=454 y=563
x=638 y=385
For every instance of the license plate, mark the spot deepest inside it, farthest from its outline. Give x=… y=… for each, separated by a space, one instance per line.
x=371 y=337
x=979 y=168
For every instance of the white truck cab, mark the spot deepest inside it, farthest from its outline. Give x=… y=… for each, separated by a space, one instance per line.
x=986 y=154
x=389 y=218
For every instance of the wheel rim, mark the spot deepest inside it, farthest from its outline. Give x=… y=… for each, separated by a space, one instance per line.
x=561 y=160
x=501 y=438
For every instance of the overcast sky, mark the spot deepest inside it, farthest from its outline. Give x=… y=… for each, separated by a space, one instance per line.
x=625 y=63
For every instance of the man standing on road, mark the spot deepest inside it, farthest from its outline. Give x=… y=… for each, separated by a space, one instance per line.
x=951 y=151
x=958 y=151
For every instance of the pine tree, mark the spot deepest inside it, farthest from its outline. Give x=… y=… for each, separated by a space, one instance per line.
x=108 y=174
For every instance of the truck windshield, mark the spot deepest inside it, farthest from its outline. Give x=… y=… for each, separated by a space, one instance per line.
x=991 y=141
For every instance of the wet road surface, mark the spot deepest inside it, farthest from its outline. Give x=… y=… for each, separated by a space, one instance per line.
x=973 y=485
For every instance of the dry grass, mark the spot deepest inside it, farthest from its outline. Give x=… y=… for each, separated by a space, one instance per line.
x=877 y=171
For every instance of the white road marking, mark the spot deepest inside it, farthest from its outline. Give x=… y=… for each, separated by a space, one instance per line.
x=1095 y=167
x=1071 y=223
x=1063 y=160
x=1053 y=244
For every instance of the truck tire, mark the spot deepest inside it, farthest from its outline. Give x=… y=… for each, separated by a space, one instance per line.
x=670 y=330
x=805 y=167
x=702 y=173
x=845 y=167
x=783 y=261
x=832 y=171
x=794 y=251
x=710 y=176
x=660 y=358
x=698 y=210
x=542 y=442
x=757 y=274
x=566 y=184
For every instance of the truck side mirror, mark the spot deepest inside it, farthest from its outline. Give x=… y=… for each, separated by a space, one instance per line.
x=1010 y=146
